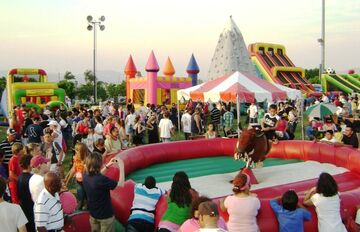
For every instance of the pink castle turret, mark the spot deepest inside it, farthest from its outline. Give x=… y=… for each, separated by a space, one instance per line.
x=130 y=72
x=152 y=69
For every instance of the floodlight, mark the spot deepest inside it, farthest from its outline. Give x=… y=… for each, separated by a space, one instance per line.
x=102 y=27
x=102 y=18
x=89 y=27
x=89 y=18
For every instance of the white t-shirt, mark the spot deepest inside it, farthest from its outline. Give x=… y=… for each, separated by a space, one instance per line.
x=12 y=217
x=186 y=122
x=252 y=111
x=59 y=138
x=98 y=131
x=165 y=127
x=328 y=213
x=333 y=140
x=36 y=185
x=130 y=118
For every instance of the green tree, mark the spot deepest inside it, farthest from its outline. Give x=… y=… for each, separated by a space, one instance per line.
x=101 y=91
x=312 y=75
x=113 y=91
x=122 y=90
x=69 y=76
x=89 y=76
x=69 y=88
x=2 y=84
x=85 y=91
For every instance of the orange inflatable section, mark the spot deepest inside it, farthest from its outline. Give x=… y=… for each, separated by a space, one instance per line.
x=144 y=156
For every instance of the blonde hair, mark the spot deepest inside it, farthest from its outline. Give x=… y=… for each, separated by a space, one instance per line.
x=82 y=150
x=31 y=147
x=16 y=148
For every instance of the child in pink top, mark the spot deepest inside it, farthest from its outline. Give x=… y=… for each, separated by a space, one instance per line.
x=192 y=224
x=242 y=207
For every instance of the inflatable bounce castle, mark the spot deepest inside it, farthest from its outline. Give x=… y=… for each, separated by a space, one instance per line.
x=30 y=87
x=154 y=89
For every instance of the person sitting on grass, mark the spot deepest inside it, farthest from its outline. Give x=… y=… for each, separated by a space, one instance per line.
x=142 y=215
x=290 y=217
x=97 y=188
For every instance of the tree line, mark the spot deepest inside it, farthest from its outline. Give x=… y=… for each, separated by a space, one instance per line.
x=110 y=90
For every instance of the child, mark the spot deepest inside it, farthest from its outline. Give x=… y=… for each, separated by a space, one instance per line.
x=77 y=170
x=210 y=133
x=15 y=170
x=290 y=217
x=90 y=139
x=100 y=146
x=143 y=208
x=270 y=122
x=208 y=217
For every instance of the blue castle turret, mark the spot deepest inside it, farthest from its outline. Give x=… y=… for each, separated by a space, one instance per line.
x=193 y=70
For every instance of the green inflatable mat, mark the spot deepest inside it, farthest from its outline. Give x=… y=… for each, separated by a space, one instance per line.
x=198 y=167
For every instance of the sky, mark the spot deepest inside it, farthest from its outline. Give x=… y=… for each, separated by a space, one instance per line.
x=52 y=35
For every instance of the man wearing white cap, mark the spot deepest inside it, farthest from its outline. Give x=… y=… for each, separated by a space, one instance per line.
x=56 y=132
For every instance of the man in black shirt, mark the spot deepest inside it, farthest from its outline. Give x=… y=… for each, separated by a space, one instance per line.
x=35 y=131
x=350 y=137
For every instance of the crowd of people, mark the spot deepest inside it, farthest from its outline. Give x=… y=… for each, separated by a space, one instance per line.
x=36 y=144
x=341 y=127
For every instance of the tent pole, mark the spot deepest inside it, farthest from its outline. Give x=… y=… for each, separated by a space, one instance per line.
x=178 y=114
x=238 y=114
x=302 y=118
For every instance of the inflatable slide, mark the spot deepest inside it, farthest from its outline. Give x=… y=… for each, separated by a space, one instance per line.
x=275 y=66
x=30 y=87
x=348 y=83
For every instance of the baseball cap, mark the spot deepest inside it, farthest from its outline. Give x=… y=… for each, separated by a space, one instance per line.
x=38 y=160
x=208 y=208
x=47 y=112
x=10 y=131
x=53 y=123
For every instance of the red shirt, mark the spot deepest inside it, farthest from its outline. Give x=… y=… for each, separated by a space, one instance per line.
x=14 y=166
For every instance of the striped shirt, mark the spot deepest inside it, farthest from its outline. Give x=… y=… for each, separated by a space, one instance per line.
x=48 y=211
x=144 y=202
x=6 y=147
x=215 y=116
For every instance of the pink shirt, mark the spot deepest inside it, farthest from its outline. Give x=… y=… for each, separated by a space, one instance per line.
x=192 y=225
x=242 y=213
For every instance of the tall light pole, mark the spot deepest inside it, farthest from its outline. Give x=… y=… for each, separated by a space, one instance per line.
x=322 y=39
x=92 y=25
